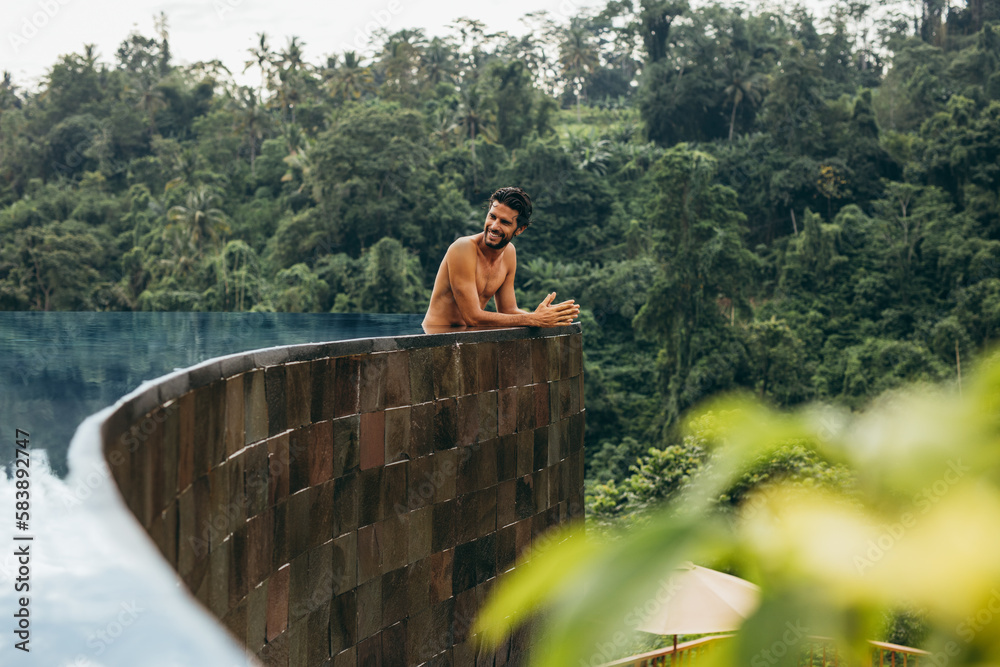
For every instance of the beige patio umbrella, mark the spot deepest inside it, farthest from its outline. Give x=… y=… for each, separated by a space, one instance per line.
x=698 y=601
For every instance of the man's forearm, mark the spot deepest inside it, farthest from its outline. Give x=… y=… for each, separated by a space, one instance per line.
x=522 y=318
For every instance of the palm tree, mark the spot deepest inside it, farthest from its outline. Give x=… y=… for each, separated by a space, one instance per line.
x=475 y=117
x=578 y=57
x=250 y=119
x=199 y=217
x=263 y=58
x=437 y=62
x=351 y=80
x=743 y=84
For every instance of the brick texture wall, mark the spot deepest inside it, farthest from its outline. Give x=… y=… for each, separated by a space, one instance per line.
x=353 y=504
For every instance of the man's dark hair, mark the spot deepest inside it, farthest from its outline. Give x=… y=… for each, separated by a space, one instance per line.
x=517 y=199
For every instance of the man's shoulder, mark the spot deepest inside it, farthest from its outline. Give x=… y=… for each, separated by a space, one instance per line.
x=463 y=245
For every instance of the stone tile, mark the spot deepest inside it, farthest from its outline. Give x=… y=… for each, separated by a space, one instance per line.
x=276 y=395
x=348 y=658
x=275 y=653
x=420 y=483
x=487 y=473
x=419 y=642
x=397 y=434
x=237 y=567
x=344 y=621
x=372 y=382
x=280 y=537
x=525 y=452
x=445 y=369
x=445 y=423
x=489 y=415
x=320 y=453
x=394 y=596
x=506 y=548
x=470 y=459
x=170 y=445
x=467 y=408
x=540 y=449
x=540 y=488
x=574 y=347
x=255 y=478
x=318 y=633
x=370 y=652
x=421 y=371
x=369 y=554
x=397 y=379
x=346 y=444
x=321 y=376
x=486 y=508
x=394 y=644
x=443 y=526
x=554 y=451
x=234 y=433
x=418 y=581
x=506 y=451
x=539 y=360
x=346 y=502
x=524 y=497
x=277 y=603
x=298 y=383
x=299 y=444
x=299 y=521
x=421 y=430
x=575 y=394
x=525 y=408
x=346 y=396
x=420 y=528
x=256 y=618
x=260 y=530
x=466 y=517
x=370 y=507
x=507 y=353
x=321 y=576
x=372 y=439
x=506 y=511
x=299 y=588
x=486 y=558
x=210 y=426
x=344 y=550
x=278 y=469
x=468 y=368
x=445 y=475
x=522 y=536
x=464 y=568
x=185 y=441
x=554 y=403
x=255 y=419
x=324 y=514
x=507 y=411
x=218 y=594
x=441 y=635
x=298 y=642
x=394 y=485
x=236 y=621
x=441 y=575
x=541 y=400
x=487 y=375
x=465 y=608
x=553 y=346
x=369 y=607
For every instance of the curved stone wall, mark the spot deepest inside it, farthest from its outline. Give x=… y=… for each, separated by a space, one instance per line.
x=352 y=503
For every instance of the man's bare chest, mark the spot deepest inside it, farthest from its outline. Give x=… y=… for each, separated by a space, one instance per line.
x=489 y=277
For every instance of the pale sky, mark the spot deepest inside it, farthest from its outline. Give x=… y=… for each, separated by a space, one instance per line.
x=34 y=33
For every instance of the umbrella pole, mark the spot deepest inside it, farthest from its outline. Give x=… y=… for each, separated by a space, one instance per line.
x=673 y=655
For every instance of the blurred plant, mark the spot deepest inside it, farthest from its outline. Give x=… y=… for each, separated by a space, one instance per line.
x=919 y=529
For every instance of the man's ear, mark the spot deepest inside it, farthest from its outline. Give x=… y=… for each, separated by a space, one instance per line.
x=519 y=230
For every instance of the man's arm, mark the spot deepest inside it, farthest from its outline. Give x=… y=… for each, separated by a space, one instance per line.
x=461 y=258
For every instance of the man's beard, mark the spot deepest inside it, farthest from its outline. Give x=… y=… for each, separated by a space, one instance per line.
x=499 y=245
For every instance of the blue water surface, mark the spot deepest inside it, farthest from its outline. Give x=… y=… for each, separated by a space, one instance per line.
x=57 y=368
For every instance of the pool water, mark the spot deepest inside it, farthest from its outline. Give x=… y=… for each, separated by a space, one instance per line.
x=57 y=368
x=100 y=594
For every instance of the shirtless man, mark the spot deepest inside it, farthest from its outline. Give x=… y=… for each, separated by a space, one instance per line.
x=480 y=266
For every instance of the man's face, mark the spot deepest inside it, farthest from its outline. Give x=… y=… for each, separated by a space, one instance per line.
x=501 y=226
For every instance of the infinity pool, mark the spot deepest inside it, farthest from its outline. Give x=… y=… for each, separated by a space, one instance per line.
x=57 y=368
x=100 y=594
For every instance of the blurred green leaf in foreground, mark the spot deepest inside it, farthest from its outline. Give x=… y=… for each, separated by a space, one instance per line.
x=919 y=528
